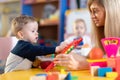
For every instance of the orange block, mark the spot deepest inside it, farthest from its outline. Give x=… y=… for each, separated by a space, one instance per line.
x=117 y=65
x=111 y=63
x=53 y=76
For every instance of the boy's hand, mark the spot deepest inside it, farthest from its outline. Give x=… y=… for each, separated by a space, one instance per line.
x=61 y=47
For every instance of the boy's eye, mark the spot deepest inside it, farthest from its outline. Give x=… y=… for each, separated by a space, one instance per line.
x=33 y=31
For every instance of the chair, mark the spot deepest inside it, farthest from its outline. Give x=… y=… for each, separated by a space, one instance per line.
x=6 y=44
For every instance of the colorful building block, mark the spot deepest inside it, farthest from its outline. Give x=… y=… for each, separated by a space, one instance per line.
x=62 y=71
x=62 y=76
x=94 y=70
x=112 y=75
x=39 y=77
x=98 y=62
x=117 y=65
x=111 y=63
x=74 y=77
x=68 y=77
x=102 y=71
x=53 y=76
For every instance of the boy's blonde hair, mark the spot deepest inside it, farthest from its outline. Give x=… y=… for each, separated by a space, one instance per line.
x=19 y=22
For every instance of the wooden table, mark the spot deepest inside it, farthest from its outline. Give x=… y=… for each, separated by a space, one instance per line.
x=26 y=74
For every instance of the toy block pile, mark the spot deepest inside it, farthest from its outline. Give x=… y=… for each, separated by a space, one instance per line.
x=108 y=66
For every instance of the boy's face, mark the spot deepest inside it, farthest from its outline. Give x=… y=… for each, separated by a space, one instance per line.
x=79 y=29
x=30 y=32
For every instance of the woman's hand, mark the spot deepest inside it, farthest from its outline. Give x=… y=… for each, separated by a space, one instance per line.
x=71 y=61
x=66 y=60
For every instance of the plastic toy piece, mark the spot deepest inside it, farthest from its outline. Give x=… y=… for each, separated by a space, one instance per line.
x=111 y=46
x=50 y=67
x=71 y=46
x=68 y=77
x=111 y=62
x=117 y=68
x=112 y=75
x=74 y=77
x=94 y=70
x=96 y=53
x=39 y=77
x=99 y=62
x=52 y=76
x=102 y=71
x=66 y=50
x=62 y=71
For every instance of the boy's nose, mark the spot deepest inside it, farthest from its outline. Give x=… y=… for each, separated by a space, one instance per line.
x=37 y=33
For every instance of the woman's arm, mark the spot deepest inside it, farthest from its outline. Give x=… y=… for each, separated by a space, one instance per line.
x=72 y=61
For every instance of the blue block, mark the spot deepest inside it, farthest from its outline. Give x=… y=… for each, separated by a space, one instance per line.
x=68 y=77
x=41 y=74
x=102 y=71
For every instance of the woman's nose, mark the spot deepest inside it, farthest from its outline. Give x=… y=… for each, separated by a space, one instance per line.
x=92 y=16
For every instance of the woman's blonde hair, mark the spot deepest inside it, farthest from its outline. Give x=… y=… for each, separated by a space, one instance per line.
x=19 y=22
x=111 y=27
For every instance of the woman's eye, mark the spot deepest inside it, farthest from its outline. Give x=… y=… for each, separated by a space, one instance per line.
x=95 y=11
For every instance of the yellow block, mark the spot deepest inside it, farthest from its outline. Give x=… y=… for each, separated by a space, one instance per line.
x=111 y=74
x=62 y=71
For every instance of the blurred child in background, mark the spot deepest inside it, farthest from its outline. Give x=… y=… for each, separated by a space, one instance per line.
x=80 y=31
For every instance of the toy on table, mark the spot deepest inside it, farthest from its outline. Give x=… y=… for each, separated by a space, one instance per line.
x=111 y=46
x=96 y=58
x=96 y=53
x=109 y=65
x=54 y=76
x=66 y=50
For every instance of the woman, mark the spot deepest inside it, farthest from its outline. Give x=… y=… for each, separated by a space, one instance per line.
x=106 y=23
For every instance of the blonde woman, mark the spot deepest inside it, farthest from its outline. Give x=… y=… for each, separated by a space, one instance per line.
x=105 y=19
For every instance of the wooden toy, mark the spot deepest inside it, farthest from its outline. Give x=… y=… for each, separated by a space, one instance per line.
x=94 y=70
x=111 y=63
x=117 y=67
x=74 y=77
x=112 y=75
x=62 y=71
x=102 y=71
x=53 y=76
x=68 y=77
x=38 y=77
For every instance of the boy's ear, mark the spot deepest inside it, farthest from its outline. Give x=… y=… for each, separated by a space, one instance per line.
x=20 y=34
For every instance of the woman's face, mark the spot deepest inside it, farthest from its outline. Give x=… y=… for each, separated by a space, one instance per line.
x=97 y=14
